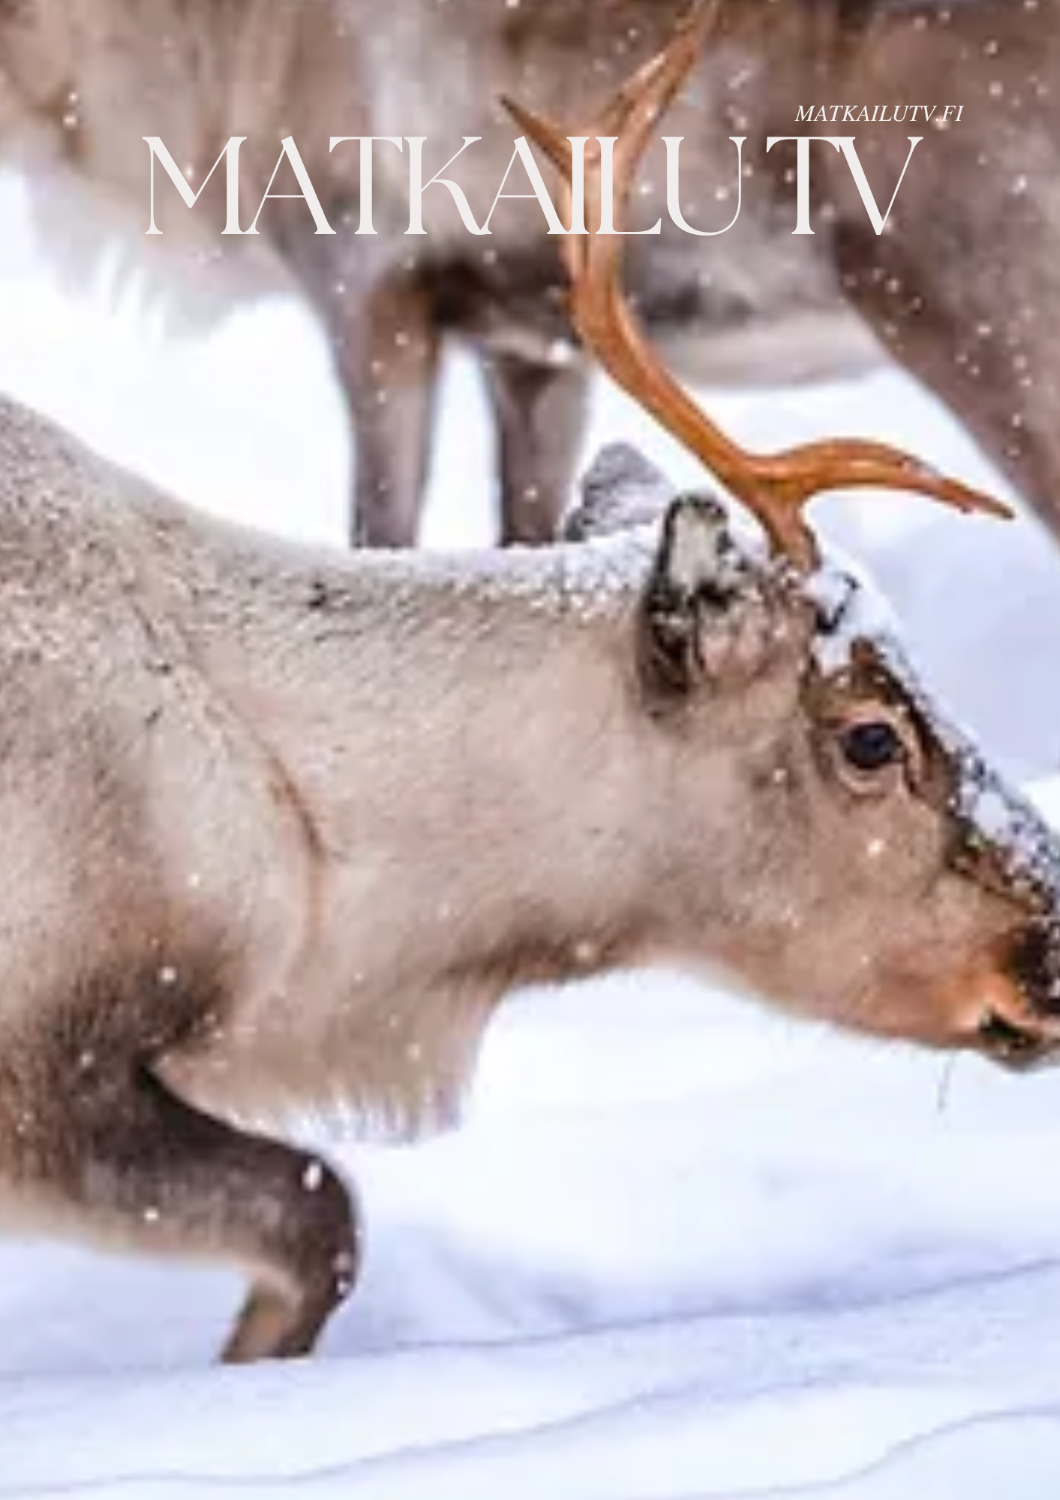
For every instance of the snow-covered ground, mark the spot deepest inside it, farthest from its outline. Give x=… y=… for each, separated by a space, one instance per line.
x=681 y=1248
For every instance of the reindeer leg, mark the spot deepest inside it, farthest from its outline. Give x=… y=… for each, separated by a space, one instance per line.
x=540 y=410
x=388 y=364
x=382 y=325
x=386 y=345
x=980 y=339
x=126 y=1162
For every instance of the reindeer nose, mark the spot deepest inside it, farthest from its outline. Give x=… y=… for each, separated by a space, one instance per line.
x=1021 y=1029
x=1035 y=966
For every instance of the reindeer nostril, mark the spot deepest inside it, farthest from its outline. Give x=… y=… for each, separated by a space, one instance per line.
x=1004 y=1039
x=1035 y=966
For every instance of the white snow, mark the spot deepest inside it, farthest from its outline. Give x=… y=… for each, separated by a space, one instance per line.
x=681 y=1248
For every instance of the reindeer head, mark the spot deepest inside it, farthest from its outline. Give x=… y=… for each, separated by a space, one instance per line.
x=864 y=866
x=873 y=870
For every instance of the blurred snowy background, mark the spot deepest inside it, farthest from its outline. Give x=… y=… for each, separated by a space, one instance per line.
x=681 y=1248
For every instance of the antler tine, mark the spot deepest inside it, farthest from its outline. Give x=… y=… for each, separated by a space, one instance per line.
x=774 y=487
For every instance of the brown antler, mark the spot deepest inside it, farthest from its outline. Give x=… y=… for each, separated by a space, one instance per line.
x=774 y=487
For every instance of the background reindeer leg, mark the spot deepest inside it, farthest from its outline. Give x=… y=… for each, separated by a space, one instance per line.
x=976 y=324
x=383 y=328
x=386 y=348
x=963 y=287
x=540 y=409
x=1003 y=384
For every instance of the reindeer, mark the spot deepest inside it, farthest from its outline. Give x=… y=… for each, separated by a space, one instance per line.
x=80 y=86
x=278 y=835
x=960 y=289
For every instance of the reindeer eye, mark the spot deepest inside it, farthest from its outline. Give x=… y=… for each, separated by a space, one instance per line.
x=872 y=745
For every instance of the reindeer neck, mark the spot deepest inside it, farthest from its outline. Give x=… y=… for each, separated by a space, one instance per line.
x=464 y=728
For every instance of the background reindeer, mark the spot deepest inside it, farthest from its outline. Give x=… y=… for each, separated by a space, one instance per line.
x=81 y=85
x=741 y=773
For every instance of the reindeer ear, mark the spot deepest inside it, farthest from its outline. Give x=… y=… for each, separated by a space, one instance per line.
x=696 y=575
x=621 y=490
